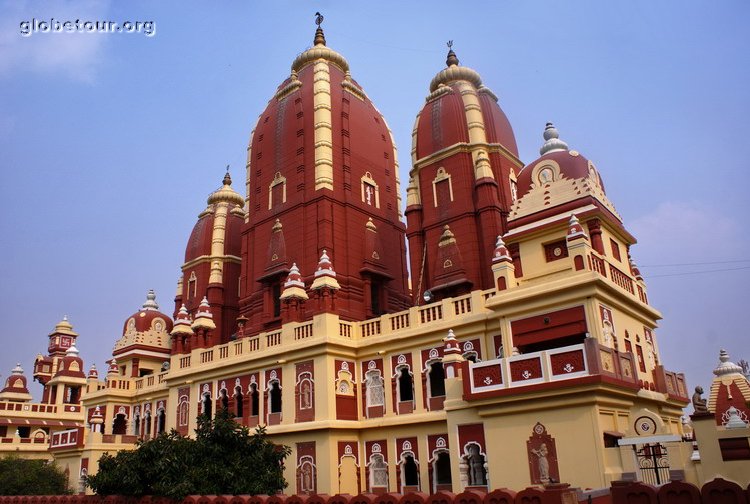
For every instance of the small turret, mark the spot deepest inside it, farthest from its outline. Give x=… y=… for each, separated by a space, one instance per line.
x=16 y=388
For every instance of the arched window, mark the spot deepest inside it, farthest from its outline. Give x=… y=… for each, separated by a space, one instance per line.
x=192 y=285
x=161 y=421
x=238 y=405
x=474 y=465
x=471 y=356
x=120 y=424
x=147 y=424
x=182 y=412
x=441 y=469
x=206 y=403
x=375 y=395
x=437 y=379
x=137 y=424
x=409 y=470
x=378 y=471
x=254 y=400
x=405 y=385
x=224 y=399
x=274 y=397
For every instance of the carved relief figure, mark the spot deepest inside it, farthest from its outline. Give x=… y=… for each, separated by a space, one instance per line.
x=305 y=394
x=542 y=456
x=543 y=463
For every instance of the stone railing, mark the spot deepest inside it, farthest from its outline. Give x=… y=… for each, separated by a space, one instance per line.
x=327 y=326
x=589 y=359
x=618 y=277
x=32 y=407
x=562 y=363
x=45 y=410
x=150 y=382
x=70 y=438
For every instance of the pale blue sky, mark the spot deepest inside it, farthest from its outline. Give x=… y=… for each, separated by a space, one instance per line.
x=110 y=143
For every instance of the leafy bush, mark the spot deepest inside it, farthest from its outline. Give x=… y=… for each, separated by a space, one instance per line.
x=224 y=458
x=31 y=477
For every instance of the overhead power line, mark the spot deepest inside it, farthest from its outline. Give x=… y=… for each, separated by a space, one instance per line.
x=697 y=272
x=693 y=264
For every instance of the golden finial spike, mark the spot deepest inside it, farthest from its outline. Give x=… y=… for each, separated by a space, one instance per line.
x=452 y=58
x=320 y=38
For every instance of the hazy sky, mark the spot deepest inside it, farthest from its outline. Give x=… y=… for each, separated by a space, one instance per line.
x=110 y=142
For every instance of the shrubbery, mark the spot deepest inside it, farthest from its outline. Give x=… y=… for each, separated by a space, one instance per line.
x=31 y=477
x=224 y=458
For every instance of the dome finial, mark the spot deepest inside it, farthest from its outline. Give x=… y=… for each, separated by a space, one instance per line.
x=320 y=38
x=227 y=178
x=150 y=303
x=552 y=142
x=452 y=58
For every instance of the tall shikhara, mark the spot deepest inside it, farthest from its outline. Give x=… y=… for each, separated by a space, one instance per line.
x=322 y=175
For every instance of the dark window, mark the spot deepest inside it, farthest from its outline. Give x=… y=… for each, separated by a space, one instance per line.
x=276 y=293
x=615 y=249
x=137 y=425
x=610 y=440
x=375 y=298
x=224 y=399
x=443 y=469
x=72 y=395
x=405 y=389
x=161 y=421
x=475 y=461
x=411 y=472
x=238 y=398
x=275 y=394
x=254 y=403
x=207 y=404
x=119 y=426
x=437 y=379
x=24 y=432
x=147 y=424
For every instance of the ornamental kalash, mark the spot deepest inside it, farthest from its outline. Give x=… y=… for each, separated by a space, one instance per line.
x=520 y=351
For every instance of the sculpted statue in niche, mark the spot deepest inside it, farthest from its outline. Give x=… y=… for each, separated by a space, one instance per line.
x=472 y=467
x=699 y=404
x=543 y=463
x=542 y=456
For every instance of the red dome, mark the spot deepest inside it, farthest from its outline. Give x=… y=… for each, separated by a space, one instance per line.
x=16 y=382
x=71 y=365
x=443 y=121
x=572 y=165
x=148 y=318
x=199 y=243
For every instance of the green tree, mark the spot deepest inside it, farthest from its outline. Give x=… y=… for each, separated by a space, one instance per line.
x=31 y=477
x=224 y=458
